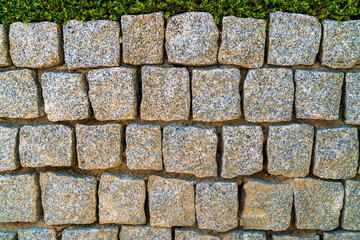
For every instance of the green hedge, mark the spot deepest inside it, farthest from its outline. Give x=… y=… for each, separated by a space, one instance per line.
x=62 y=10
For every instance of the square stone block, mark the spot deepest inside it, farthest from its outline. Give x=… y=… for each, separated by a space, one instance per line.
x=145 y=233
x=244 y=235
x=351 y=211
x=8 y=148
x=341 y=235
x=352 y=98
x=294 y=237
x=193 y=234
x=8 y=235
x=37 y=234
x=4 y=47
x=103 y=233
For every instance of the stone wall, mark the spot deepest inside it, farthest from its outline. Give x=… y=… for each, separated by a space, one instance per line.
x=147 y=130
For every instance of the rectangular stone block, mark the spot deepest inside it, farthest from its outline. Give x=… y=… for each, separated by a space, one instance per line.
x=351 y=211
x=47 y=145
x=145 y=233
x=99 y=146
x=341 y=235
x=7 y=235
x=19 y=198
x=121 y=200
x=68 y=199
x=294 y=237
x=4 y=47
x=104 y=233
x=352 y=98
x=37 y=234
x=244 y=235
x=8 y=148
x=190 y=150
x=193 y=234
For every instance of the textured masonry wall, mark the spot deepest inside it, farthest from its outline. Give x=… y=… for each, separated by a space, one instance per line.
x=147 y=130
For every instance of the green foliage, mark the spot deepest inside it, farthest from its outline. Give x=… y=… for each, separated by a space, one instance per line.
x=62 y=10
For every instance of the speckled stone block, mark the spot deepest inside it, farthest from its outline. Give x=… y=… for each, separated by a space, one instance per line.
x=268 y=95
x=294 y=39
x=216 y=94
x=217 y=205
x=19 y=198
x=20 y=95
x=7 y=235
x=171 y=202
x=121 y=200
x=145 y=233
x=242 y=150
x=4 y=47
x=267 y=205
x=8 y=148
x=341 y=235
x=143 y=38
x=47 y=145
x=352 y=98
x=112 y=93
x=190 y=150
x=35 y=45
x=294 y=237
x=336 y=153
x=192 y=39
x=318 y=94
x=99 y=146
x=317 y=203
x=37 y=234
x=104 y=233
x=242 y=42
x=193 y=234
x=244 y=235
x=65 y=96
x=351 y=211
x=91 y=44
x=68 y=199
x=289 y=150
x=143 y=147
x=340 y=44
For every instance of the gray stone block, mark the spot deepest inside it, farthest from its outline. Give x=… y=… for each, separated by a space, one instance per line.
x=352 y=98
x=244 y=235
x=4 y=47
x=37 y=234
x=7 y=235
x=192 y=234
x=351 y=211
x=294 y=237
x=145 y=233
x=341 y=235
x=8 y=148
x=103 y=233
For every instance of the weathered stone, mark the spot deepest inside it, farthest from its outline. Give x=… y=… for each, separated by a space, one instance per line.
x=267 y=205
x=216 y=94
x=4 y=47
x=99 y=146
x=37 y=234
x=145 y=233
x=294 y=39
x=165 y=93
x=192 y=39
x=317 y=203
x=35 y=45
x=242 y=150
x=340 y=44
x=242 y=42
x=91 y=44
x=244 y=235
x=289 y=149
x=47 y=145
x=121 y=200
x=143 y=38
x=318 y=94
x=294 y=237
x=190 y=150
x=268 y=95
x=7 y=235
x=336 y=153
x=68 y=199
x=171 y=202
x=341 y=235
x=143 y=147
x=188 y=234
x=19 y=198
x=20 y=95
x=112 y=93
x=217 y=205
x=352 y=98
x=8 y=148
x=351 y=212
x=65 y=96
x=105 y=233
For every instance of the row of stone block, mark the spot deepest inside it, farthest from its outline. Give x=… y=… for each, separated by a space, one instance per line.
x=120 y=199
x=191 y=39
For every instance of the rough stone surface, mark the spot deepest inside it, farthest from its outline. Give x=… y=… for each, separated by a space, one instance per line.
x=351 y=211
x=336 y=153
x=143 y=38
x=318 y=94
x=190 y=150
x=294 y=237
x=47 y=145
x=20 y=95
x=341 y=235
x=35 y=45
x=340 y=44
x=192 y=39
x=242 y=42
x=289 y=150
x=267 y=205
x=8 y=145
x=112 y=93
x=145 y=233
x=188 y=234
x=268 y=95
x=91 y=44
x=37 y=234
x=4 y=47
x=143 y=147
x=352 y=98
x=317 y=203
x=217 y=205
x=216 y=94
x=99 y=146
x=65 y=96
x=242 y=150
x=294 y=39
x=68 y=199
x=7 y=235
x=19 y=198
x=171 y=202
x=165 y=93
x=244 y=235
x=121 y=200
x=106 y=233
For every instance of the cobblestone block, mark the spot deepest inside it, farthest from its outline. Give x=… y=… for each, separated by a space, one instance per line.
x=341 y=235
x=352 y=98
x=37 y=234
x=105 y=233
x=294 y=237
x=4 y=47
x=351 y=211
x=145 y=233
x=7 y=235
x=244 y=235
x=8 y=148
x=189 y=234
